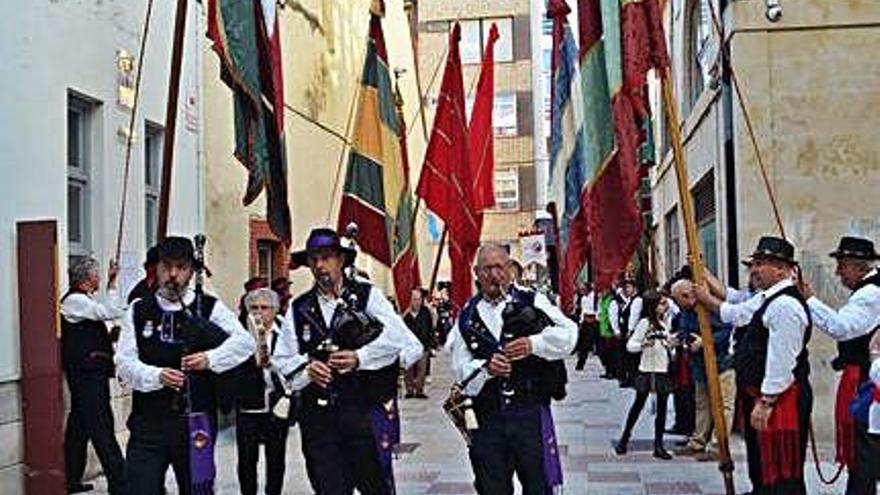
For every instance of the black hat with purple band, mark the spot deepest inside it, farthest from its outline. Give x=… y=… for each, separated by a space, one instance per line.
x=855 y=247
x=774 y=248
x=322 y=238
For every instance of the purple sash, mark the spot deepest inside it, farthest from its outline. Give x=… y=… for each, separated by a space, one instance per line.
x=201 y=454
x=386 y=432
x=552 y=467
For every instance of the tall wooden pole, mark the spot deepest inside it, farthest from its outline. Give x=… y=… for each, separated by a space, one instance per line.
x=437 y=259
x=725 y=464
x=171 y=118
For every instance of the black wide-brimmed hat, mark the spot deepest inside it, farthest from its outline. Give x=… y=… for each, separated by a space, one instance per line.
x=774 y=248
x=322 y=238
x=855 y=247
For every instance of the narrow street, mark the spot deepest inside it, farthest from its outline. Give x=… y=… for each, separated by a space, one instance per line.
x=433 y=459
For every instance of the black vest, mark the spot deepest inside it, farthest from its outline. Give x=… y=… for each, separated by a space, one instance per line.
x=534 y=380
x=250 y=382
x=350 y=329
x=85 y=345
x=750 y=360
x=855 y=351
x=623 y=313
x=158 y=347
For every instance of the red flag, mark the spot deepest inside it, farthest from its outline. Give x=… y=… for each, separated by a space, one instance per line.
x=446 y=182
x=481 y=133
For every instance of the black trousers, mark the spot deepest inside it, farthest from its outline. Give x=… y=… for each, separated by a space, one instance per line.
x=340 y=451
x=753 y=450
x=506 y=443
x=861 y=480
x=91 y=419
x=684 y=402
x=636 y=410
x=156 y=443
x=251 y=431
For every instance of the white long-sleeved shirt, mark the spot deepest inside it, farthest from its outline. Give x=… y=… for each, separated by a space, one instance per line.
x=554 y=342
x=144 y=377
x=635 y=313
x=655 y=359
x=740 y=312
x=588 y=305
x=786 y=320
x=378 y=354
x=77 y=307
x=858 y=317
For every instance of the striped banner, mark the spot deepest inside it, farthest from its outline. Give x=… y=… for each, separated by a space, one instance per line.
x=376 y=195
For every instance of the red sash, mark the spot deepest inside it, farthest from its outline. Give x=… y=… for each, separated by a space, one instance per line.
x=845 y=424
x=780 y=442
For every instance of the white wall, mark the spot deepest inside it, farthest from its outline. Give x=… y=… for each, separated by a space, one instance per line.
x=48 y=49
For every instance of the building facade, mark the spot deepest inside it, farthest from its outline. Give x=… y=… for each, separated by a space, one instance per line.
x=519 y=109
x=65 y=113
x=808 y=83
x=323 y=44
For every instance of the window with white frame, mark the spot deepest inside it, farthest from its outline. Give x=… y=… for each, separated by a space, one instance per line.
x=79 y=167
x=503 y=113
x=699 y=32
x=475 y=34
x=507 y=189
x=153 y=135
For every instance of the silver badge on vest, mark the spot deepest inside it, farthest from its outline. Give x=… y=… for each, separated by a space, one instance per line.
x=147 y=332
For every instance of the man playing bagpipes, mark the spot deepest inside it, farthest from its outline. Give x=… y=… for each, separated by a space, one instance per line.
x=508 y=347
x=347 y=341
x=852 y=326
x=172 y=347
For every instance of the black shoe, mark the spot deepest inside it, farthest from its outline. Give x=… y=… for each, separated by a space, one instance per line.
x=421 y=395
x=661 y=453
x=620 y=448
x=409 y=395
x=80 y=487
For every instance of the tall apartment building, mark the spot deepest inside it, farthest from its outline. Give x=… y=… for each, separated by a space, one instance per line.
x=518 y=119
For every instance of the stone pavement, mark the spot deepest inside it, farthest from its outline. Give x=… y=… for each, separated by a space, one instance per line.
x=433 y=459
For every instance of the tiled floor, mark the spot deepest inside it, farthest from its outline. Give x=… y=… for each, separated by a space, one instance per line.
x=433 y=460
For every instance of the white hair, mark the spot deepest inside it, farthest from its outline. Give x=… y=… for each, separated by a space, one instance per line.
x=262 y=293
x=81 y=269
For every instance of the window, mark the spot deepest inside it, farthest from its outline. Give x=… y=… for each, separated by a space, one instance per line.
x=704 y=207
x=507 y=189
x=265 y=258
x=699 y=31
x=673 y=242
x=475 y=34
x=503 y=113
x=152 y=180
x=78 y=168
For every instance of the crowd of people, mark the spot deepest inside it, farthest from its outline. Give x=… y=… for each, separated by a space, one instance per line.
x=331 y=361
x=651 y=341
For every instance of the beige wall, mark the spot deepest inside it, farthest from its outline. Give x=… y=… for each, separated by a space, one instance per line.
x=323 y=45
x=810 y=83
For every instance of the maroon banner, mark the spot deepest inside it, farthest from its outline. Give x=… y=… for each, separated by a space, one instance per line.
x=42 y=400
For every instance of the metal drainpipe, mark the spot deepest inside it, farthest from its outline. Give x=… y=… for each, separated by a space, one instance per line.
x=729 y=168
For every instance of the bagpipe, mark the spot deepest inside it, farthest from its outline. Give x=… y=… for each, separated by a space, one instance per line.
x=350 y=329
